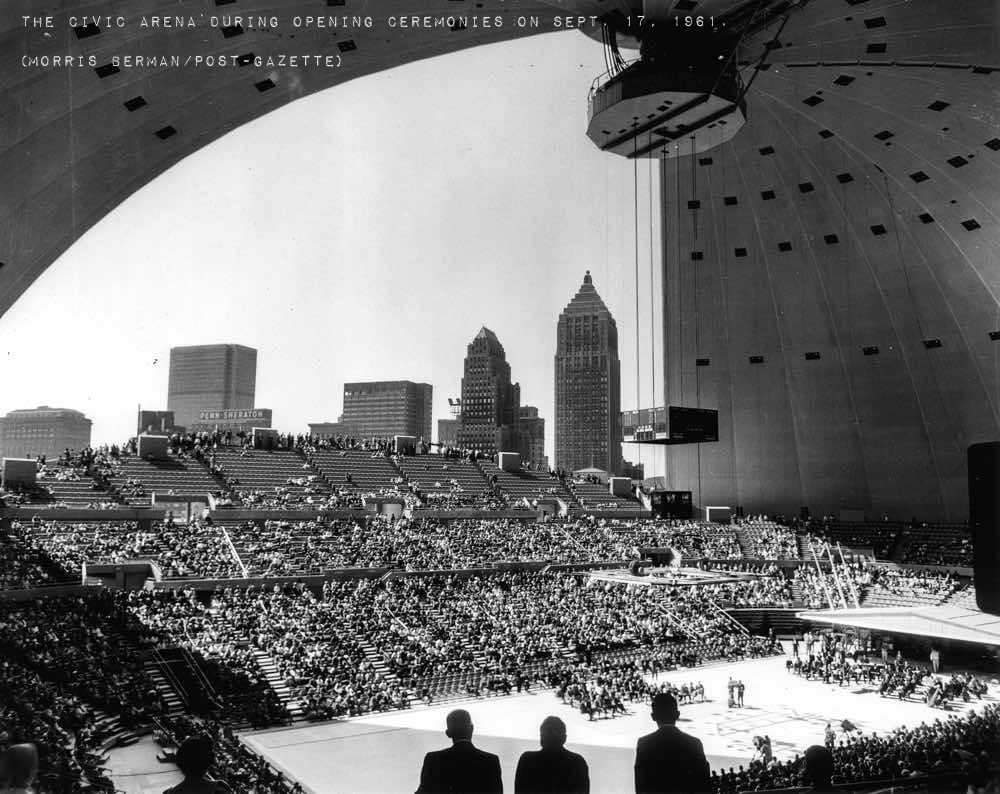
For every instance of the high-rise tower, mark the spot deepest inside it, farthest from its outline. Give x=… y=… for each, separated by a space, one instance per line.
x=490 y=402
x=588 y=385
x=210 y=378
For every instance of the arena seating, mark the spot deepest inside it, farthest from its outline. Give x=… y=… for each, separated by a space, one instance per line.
x=261 y=655
x=881 y=537
x=137 y=479
x=940 y=544
x=595 y=496
x=24 y=564
x=72 y=486
x=436 y=473
x=526 y=484
x=280 y=477
x=356 y=470
x=180 y=551
x=766 y=540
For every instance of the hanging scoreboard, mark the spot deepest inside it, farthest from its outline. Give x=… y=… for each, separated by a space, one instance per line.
x=671 y=425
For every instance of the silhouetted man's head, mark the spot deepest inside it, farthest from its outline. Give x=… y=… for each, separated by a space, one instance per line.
x=458 y=725
x=195 y=756
x=665 y=711
x=18 y=766
x=552 y=733
x=819 y=766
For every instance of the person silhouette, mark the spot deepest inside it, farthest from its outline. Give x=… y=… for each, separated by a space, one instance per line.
x=553 y=769
x=461 y=768
x=195 y=757
x=669 y=760
x=18 y=768
x=818 y=768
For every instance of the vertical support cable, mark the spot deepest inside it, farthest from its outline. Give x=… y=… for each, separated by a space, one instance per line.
x=652 y=304
x=635 y=212
x=697 y=318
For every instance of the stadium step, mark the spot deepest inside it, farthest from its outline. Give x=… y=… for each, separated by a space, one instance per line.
x=269 y=668
x=166 y=692
x=377 y=661
x=803 y=543
x=899 y=545
x=746 y=547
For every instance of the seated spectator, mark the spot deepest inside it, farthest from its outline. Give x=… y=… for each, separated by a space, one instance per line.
x=553 y=769
x=461 y=768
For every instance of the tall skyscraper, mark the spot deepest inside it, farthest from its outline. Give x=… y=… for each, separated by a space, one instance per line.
x=588 y=385
x=210 y=378
x=389 y=407
x=43 y=431
x=490 y=402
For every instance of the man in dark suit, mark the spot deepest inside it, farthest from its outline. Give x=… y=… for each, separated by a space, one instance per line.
x=553 y=769
x=669 y=760
x=462 y=768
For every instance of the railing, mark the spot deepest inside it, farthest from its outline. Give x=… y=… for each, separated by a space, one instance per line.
x=728 y=617
x=236 y=554
x=164 y=667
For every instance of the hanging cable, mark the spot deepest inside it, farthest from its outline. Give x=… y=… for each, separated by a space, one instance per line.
x=697 y=316
x=635 y=207
x=652 y=299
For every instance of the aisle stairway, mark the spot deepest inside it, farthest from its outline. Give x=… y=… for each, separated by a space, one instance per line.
x=166 y=692
x=270 y=669
x=377 y=661
x=746 y=547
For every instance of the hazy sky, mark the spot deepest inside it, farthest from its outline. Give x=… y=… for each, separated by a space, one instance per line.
x=362 y=233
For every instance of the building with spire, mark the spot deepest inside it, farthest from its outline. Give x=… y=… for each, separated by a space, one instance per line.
x=490 y=402
x=588 y=385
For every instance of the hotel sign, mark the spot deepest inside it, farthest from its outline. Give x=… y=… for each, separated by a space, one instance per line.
x=233 y=419
x=235 y=415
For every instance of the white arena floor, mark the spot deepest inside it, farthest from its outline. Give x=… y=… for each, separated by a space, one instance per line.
x=383 y=752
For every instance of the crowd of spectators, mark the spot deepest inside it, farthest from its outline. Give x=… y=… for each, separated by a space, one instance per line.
x=963 y=745
x=228 y=761
x=768 y=587
x=768 y=540
x=180 y=550
x=25 y=565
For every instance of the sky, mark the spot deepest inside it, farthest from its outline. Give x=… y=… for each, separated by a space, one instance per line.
x=365 y=232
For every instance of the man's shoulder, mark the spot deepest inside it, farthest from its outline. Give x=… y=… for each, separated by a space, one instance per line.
x=485 y=754
x=467 y=748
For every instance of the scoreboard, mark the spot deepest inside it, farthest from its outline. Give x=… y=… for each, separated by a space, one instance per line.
x=671 y=425
x=692 y=425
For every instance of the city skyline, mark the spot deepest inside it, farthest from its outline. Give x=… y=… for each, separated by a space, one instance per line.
x=461 y=239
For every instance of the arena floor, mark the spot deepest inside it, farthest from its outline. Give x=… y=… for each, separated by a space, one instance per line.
x=383 y=752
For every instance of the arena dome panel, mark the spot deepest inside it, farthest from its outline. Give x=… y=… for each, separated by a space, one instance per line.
x=831 y=271
x=832 y=266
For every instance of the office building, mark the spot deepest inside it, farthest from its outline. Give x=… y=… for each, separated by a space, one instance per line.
x=588 y=385
x=533 y=438
x=331 y=429
x=47 y=431
x=381 y=409
x=490 y=402
x=207 y=378
x=448 y=428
